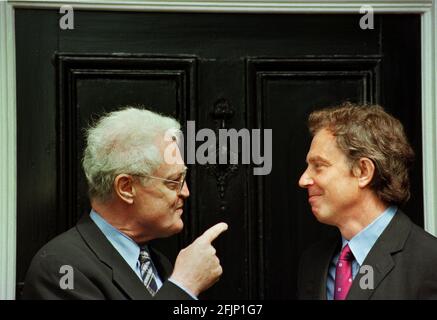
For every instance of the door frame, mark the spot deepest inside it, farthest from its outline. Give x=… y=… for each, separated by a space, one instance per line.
x=8 y=136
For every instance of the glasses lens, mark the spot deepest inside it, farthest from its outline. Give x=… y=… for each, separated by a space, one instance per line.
x=182 y=182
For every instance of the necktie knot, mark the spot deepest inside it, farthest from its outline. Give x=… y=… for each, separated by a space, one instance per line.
x=346 y=254
x=144 y=256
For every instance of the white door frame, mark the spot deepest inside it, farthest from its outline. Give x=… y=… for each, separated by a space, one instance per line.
x=8 y=147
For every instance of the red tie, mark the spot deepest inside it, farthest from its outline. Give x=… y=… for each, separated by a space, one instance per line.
x=343 y=274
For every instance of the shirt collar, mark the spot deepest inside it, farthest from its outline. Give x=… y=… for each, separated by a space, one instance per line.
x=126 y=247
x=363 y=241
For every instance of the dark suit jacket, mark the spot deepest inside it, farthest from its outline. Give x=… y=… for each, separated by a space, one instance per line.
x=99 y=271
x=404 y=261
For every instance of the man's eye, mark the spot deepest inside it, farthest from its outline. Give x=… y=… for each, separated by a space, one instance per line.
x=171 y=185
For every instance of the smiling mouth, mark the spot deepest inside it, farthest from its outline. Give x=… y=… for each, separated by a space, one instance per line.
x=313 y=196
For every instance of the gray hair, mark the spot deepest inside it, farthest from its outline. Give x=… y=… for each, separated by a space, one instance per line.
x=123 y=141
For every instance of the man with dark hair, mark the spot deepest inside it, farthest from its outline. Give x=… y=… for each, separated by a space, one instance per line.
x=357 y=175
x=137 y=191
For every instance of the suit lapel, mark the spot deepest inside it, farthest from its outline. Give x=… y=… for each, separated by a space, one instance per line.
x=381 y=263
x=123 y=276
x=324 y=260
x=316 y=268
x=380 y=258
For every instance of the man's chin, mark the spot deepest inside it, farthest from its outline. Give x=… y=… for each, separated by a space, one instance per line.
x=323 y=217
x=315 y=212
x=173 y=229
x=177 y=227
x=180 y=225
x=318 y=214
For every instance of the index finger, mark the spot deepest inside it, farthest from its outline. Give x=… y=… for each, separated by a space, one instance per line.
x=212 y=233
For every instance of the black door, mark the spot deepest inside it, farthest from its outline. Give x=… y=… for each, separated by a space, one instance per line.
x=254 y=71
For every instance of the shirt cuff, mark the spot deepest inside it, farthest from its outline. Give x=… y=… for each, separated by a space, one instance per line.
x=180 y=286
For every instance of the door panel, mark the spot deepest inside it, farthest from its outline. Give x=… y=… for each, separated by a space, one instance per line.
x=90 y=86
x=284 y=93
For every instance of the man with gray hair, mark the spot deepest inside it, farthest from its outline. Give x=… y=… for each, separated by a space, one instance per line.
x=136 y=196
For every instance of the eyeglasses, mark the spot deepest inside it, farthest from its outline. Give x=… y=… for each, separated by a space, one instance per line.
x=179 y=184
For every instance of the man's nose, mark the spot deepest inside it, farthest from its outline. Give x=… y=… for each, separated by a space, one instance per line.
x=305 y=180
x=185 y=192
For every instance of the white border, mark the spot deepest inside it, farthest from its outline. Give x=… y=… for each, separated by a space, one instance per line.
x=429 y=117
x=262 y=6
x=8 y=101
x=8 y=180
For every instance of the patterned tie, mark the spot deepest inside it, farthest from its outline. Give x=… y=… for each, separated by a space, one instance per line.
x=343 y=274
x=147 y=272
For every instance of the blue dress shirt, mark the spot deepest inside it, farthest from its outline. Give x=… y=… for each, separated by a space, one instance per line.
x=128 y=249
x=360 y=246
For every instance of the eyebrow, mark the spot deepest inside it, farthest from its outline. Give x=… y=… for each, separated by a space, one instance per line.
x=318 y=159
x=177 y=174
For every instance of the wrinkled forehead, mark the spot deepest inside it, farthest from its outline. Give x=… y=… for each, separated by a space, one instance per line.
x=173 y=162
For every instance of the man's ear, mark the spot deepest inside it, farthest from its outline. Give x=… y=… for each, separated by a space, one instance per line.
x=124 y=188
x=365 y=172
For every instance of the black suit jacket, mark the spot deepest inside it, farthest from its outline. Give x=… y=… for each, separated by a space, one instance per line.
x=99 y=271
x=404 y=260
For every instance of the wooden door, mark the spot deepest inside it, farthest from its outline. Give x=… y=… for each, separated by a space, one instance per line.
x=254 y=71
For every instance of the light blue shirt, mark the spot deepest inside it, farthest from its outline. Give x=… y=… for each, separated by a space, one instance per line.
x=128 y=249
x=360 y=245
